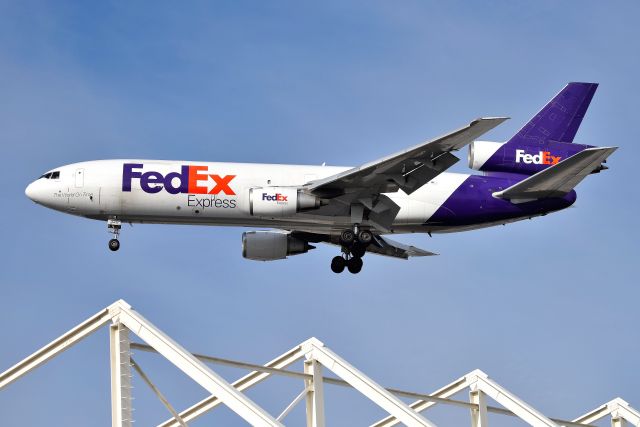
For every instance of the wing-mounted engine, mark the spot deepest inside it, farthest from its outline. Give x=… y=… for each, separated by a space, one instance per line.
x=280 y=201
x=272 y=245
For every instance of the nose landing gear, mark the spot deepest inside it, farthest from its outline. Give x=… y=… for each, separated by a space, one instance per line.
x=114 y=244
x=354 y=246
x=114 y=226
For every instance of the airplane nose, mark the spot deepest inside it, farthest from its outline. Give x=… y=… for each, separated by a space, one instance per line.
x=31 y=192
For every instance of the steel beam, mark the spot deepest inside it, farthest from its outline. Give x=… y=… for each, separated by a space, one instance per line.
x=618 y=422
x=120 y=358
x=158 y=393
x=479 y=414
x=299 y=398
x=315 y=394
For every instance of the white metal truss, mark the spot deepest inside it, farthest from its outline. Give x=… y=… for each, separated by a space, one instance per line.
x=480 y=386
x=122 y=315
x=316 y=357
x=620 y=412
x=274 y=366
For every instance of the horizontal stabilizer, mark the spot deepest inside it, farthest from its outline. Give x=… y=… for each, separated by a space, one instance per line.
x=559 y=179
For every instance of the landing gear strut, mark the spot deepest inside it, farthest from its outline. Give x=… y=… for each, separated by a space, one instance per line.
x=354 y=246
x=114 y=226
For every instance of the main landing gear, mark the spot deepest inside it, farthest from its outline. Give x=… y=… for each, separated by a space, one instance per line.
x=353 y=264
x=354 y=246
x=114 y=226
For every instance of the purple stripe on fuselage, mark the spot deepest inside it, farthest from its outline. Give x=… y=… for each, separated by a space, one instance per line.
x=473 y=203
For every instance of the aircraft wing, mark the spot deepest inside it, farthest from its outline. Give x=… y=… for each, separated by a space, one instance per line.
x=407 y=170
x=559 y=179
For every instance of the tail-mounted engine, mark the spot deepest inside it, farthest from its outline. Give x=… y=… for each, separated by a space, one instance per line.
x=480 y=152
x=270 y=245
x=280 y=201
x=523 y=158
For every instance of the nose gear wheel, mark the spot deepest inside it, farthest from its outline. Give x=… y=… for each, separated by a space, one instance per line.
x=114 y=226
x=114 y=244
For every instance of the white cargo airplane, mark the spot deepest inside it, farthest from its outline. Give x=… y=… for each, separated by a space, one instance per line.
x=406 y=192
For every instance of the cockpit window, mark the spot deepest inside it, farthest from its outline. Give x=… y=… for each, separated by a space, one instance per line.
x=51 y=175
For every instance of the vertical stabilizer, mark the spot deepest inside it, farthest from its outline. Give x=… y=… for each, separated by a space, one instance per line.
x=544 y=141
x=560 y=119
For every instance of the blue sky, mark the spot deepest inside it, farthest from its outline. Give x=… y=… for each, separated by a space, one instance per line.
x=548 y=308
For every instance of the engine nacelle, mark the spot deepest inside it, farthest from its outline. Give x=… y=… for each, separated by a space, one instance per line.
x=270 y=245
x=280 y=201
x=521 y=158
x=480 y=152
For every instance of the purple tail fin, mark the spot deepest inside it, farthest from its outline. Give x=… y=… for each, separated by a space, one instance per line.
x=544 y=141
x=560 y=119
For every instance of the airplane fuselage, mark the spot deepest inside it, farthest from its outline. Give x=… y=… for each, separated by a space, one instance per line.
x=223 y=194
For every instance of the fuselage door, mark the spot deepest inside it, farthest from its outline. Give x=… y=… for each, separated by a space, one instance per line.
x=79 y=178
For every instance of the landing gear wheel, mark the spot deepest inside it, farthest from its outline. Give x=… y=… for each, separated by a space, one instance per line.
x=354 y=265
x=347 y=237
x=365 y=237
x=338 y=264
x=114 y=244
x=113 y=226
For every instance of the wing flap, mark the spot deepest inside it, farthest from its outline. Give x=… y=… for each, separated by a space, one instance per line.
x=559 y=179
x=387 y=247
x=380 y=245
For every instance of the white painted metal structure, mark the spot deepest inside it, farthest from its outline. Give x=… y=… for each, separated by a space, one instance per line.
x=317 y=357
